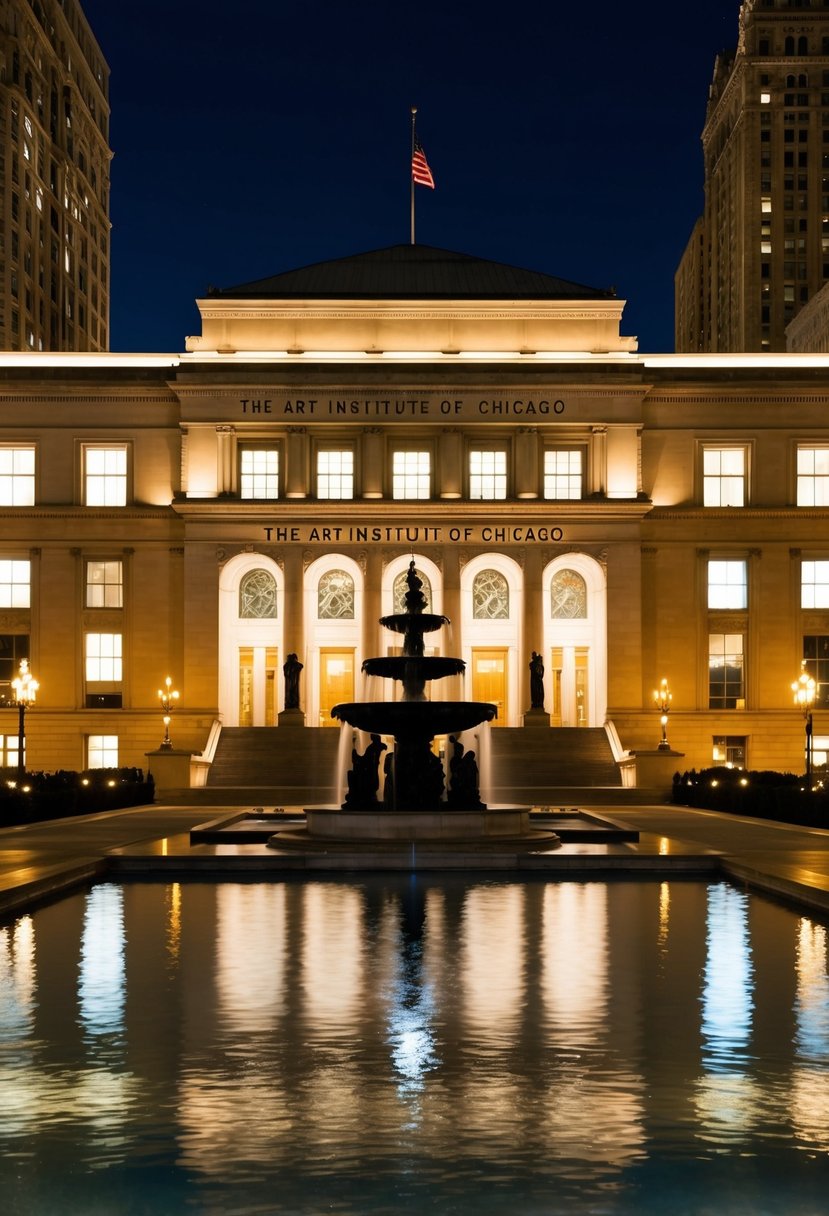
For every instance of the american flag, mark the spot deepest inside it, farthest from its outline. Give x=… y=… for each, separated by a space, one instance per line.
x=421 y=173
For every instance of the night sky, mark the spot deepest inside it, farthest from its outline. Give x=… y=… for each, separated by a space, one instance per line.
x=255 y=137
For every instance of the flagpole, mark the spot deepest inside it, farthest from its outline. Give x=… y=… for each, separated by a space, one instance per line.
x=411 y=178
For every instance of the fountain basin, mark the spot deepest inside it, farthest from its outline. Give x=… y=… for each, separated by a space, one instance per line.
x=456 y=831
x=414 y=718
x=420 y=622
x=396 y=667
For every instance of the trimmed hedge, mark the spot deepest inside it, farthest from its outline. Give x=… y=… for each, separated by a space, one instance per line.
x=761 y=795
x=56 y=795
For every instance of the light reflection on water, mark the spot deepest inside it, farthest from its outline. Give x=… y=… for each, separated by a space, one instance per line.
x=401 y=1043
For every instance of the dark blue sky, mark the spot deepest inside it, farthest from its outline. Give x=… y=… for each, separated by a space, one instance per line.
x=253 y=137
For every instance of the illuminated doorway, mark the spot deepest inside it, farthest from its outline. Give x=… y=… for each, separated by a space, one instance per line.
x=257 y=685
x=570 y=686
x=574 y=588
x=489 y=680
x=336 y=682
x=250 y=641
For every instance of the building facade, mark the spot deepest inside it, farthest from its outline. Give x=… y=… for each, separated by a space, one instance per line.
x=54 y=180
x=761 y=250
x=628 y=517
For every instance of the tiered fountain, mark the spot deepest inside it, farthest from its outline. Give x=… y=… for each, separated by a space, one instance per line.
x=415 y=806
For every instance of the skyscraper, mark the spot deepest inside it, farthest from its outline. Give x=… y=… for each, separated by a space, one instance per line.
x=761 y=250
x=54 y=179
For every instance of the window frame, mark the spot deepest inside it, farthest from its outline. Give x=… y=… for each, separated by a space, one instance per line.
x=103 y=749
x=412 y=447
x=551 y=449
x=246 y=447
x=739 y=699
x=14 y=477
x=12 y=583
x=342 y=449
x=88 y=586
x=818 y=601
x=482 y=448
x=715 y=588
x=707 y=447
x=801 y=480
x=113 y=446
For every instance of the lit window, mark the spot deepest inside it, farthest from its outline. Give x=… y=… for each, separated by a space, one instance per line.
x=765 y=246
x=765 y=98
x=8 y=750
x=13 y=648
x=487 y=474
x=813 y=477
x=814 y=584
x=816 y=654
x=102 y=751
x=724 y=477
x=727 y=584
x=729 y=750
x=103 y=657
x=335 y=473
x=725 y=671
x=563 y=473
x=259 y=473
x=17 y=476
x=411 y=475
x=490 y=596
x=104 y=584
x=105 y=474
x=335 y=596
x=15 y=583
x=765 y=205
x=257 y=596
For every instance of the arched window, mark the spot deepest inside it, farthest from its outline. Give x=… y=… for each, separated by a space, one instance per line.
x=803 y=81
x=490 y=597
x=257 y=595
x=400 y=587
x=788 y=46
x=568 y=596
x=803 y=45
x=335 y=596
x=790 y=81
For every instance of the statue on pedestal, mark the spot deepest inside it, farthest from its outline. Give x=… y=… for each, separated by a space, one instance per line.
x=291 y=669
x=536 y=681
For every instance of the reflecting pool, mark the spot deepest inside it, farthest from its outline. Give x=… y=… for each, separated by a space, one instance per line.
x=402 y=1045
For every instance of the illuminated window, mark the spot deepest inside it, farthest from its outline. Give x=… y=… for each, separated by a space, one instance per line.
x=563 y=473
x=725 y=671
x=816 y=654
x=335 y=473
x=487 y=474
x=104 y=584
x=814 y=584
x=17 y=476
x=102 y=751
x=103 y=658
x=765 y=98
x=13 y=648
x=105 y=475
x=15 y=583
x=490 y=597
x=724 y=477
x=411 y=474
x=259 y=473
x=335 y=596
x=813 y=477
x=765 y=205
x=727 y=584
x=568 y=594
x=729 y=750
x=8 y=750
x=257 y=596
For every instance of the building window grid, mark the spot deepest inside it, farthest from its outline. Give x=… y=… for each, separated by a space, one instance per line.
x=813 y=476
x=104 y=584
x=816 y=654
x=15 y=583
x=335 y=473
x=411 y=474
x=728 y=584
x=729 y=750
x=17 y=476
x=104 y=657
x=814 y=584
x=563 y=473
x=724 y=477
x=105 y=476
x=259 y=473
x=102 y=751
x=726 y=684
x=487 y=474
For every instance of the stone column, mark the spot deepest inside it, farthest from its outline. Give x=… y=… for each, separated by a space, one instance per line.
x=450 y=465
x=373 y=462
x=526 y=463
x=296 y=462
x=597 y=465
x=372 y=607
x=225 y=450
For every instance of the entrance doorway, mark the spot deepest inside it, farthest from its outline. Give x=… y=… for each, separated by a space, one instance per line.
x=570 y=669
x=336 y=682
x=257 y=685
x=489 y=679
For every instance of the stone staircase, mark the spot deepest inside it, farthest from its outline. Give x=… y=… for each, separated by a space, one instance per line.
x=560 y=766
x=286 y=765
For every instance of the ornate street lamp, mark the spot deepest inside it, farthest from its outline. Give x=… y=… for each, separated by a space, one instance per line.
x=662 y=697
x=804 y=689
x=167 y=697
x=25 y=688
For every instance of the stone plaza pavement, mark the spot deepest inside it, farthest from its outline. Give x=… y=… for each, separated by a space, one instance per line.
x=38 y=861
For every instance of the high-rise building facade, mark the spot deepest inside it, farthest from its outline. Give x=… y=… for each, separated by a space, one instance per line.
x=54 y=180
x=762 y=249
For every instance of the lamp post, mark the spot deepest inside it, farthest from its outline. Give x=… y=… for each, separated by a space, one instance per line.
x=662 y=697
x=167 y=696
x=804 y=689
x=25 y=688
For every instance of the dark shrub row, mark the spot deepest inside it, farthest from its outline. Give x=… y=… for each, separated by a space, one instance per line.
x=763 y=795
x=56 y=795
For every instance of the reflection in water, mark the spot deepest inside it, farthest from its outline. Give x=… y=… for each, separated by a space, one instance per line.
x=402 y=1044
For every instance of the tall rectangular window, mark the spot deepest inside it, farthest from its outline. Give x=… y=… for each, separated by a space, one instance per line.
x=816 y=654
x=729 y=750
x=813 y=477
x=102 y=751
x=17 y=475
x=13 y=648
x=335 y=473
x=259 y=473
x=104 y=584
x=411 y=474
x=15 y=583
x=724 y=477
x=487 y=474
x=103 y=658
x=105 y=475
x=727 y=584
x=726 y=686
x=563 y=473
x=814 y=584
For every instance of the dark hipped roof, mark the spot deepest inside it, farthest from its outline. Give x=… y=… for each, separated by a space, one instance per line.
x=411 y=272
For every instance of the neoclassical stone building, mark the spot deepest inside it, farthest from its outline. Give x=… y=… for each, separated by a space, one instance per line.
x=203 y=515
